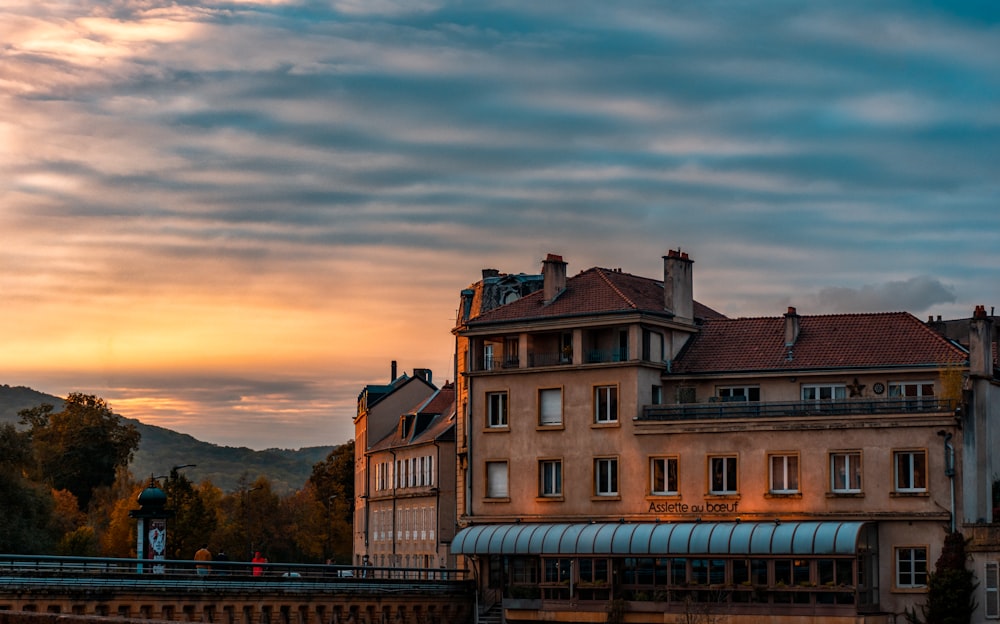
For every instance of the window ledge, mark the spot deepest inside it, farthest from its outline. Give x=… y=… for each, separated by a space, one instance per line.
x=599 y=499
x=497 y=429
x=783 y=495
x=845 y=494
x=921 y=494
x=722 y=496
x=606 y=425
x=549 y=499
x=559 y=427
x=505 y=499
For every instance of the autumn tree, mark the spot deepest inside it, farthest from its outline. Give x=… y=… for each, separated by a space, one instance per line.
x=332 y=485
x=194 y=515
x=80 y=448
x=27 y=507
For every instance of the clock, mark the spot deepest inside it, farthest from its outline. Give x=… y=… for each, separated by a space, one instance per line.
x=878 y=387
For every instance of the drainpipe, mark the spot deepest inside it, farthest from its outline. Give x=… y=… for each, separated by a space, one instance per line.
x=949 y=470
x=395 y=479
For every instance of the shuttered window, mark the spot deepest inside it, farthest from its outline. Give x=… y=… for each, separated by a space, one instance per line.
x=496 y=479
x=550 y=407
x=992 y=586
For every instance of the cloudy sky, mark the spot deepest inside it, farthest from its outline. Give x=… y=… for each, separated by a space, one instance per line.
x=226 y=217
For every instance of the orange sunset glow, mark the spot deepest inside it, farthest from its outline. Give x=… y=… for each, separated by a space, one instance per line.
x=226 y=219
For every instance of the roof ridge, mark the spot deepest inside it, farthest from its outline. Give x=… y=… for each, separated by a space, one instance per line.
x=831 y=315
x=607 y=280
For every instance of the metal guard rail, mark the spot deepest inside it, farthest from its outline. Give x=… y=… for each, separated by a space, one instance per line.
x=39 y=571
x=756 y=409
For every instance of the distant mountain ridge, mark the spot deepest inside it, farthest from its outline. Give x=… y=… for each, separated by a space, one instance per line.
x=161 y=448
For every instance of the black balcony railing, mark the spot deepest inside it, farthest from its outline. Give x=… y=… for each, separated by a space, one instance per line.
x=754 y=409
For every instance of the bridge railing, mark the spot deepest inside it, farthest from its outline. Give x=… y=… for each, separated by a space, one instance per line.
x=57 y=570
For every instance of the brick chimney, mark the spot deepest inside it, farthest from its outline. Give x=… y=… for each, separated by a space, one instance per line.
x=392 y=373
x=981 y=344
x=791 y=326
x=678 y=289
x=553 y=277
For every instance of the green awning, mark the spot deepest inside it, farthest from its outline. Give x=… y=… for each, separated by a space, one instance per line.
x=658 y=539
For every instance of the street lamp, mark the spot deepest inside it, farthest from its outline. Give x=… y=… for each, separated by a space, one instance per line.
x=246 y=509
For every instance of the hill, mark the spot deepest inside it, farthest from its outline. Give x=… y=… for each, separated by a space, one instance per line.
x=161 y=448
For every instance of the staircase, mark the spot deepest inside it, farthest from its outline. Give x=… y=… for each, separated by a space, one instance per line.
x=492 y=615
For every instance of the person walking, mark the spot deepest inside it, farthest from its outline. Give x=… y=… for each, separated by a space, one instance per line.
x=203 y=554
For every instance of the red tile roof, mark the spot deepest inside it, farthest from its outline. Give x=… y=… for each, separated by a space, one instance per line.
x=594 y=291
x=888 y=339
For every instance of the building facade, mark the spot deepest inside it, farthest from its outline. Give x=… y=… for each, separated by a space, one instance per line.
x=624 y=451
x=411 y=491
x=379 y=408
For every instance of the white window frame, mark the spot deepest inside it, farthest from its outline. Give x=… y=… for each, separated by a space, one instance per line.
x=783 y=473
x=550 y=478
x=738 y=393
x=991 y=587
x=907 y=475
x=660 y=471
x=606 y=476
x=550 y=407
x=606 y=404
x=497 y=409
x=834 y=392
x=724 y=462
x=497 y=479
x=848 y=464
x=914 y=393
x=910 y=557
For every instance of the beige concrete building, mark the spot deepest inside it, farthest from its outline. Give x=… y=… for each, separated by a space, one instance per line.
x=628 y=454
x=411 y=489
x=379 y=409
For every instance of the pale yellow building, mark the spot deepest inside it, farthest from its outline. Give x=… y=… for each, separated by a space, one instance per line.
x=628 y=454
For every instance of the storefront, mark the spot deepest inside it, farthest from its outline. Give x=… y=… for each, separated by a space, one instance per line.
x=818 y=568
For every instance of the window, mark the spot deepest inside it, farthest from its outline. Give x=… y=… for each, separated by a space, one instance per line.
x=723 y=475
x=606 y=476
x=784 y=477
x=991 y=584
x=606 y=404
x=496 y=409
x=663 y=475
x=550 y=407
x=487 y=357
x=911 y=567
x=911 y=389
x=656 y=395
x=828 y=392
x=739 y=393
x=550 y=477
x=845 y=472
x=910 y=471
x=510 y=350
x=912 y=392
x=496 y=479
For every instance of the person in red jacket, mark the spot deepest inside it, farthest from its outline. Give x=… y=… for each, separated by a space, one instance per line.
x=258 y=558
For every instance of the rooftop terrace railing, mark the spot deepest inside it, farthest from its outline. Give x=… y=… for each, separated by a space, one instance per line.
x=761 y=409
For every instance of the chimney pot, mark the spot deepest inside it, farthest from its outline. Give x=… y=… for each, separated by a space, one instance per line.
x=553 y=277
x=792 y=327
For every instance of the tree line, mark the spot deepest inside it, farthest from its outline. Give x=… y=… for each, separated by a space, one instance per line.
x=65 y=489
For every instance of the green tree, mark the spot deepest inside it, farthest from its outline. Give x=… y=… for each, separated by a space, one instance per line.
x=950 y=588
x=332 y=484
x=80 y=448
x=195 y=519
x=25 y=522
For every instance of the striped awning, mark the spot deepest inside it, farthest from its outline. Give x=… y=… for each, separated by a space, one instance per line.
x=686 y=538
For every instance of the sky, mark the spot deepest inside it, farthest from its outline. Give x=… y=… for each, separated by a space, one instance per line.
x=228 y=217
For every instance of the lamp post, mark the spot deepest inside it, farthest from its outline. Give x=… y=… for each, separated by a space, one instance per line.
x=246 y=510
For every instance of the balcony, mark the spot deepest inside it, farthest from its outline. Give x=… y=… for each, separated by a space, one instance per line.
x=755 y=409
